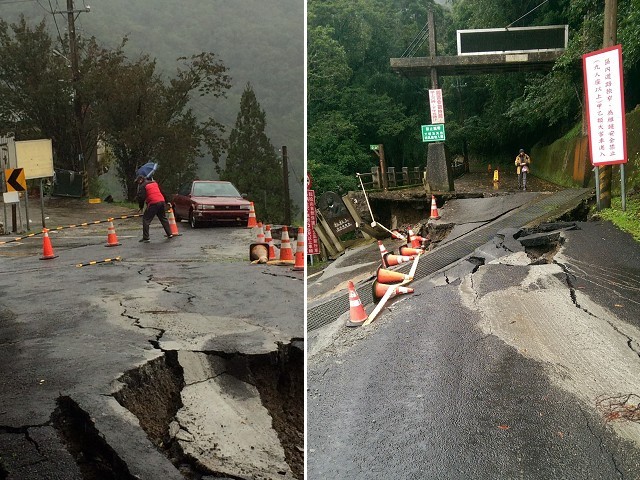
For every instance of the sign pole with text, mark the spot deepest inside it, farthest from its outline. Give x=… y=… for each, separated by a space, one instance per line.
x=605 y=114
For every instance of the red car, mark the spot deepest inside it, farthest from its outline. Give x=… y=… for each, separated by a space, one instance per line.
x=210 y=201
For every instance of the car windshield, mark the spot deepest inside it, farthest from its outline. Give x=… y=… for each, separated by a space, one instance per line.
x=205 y=189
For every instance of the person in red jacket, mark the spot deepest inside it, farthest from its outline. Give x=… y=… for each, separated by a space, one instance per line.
x=149 y=193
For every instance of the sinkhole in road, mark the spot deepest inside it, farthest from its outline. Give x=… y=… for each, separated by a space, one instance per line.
x=152 y=393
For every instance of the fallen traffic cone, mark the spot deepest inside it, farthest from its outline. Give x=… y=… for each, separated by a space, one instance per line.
x=251 y=222
x=434 y=209
x=390 y=277
x=357 y=314
x=379 y=289
x=299 y=265
x=172 y=223
x=391 y=260
x=260 y=236
x=268 y=239
x=286 y=253
x=410 y=251
x=112 y=238
x=47 y=249
x=395 y=234
x=258 y=253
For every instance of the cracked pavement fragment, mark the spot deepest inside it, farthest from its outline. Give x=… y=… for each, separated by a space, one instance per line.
x=585 y=349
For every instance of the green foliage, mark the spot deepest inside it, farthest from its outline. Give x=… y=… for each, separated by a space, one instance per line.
x=124 y=103
x=629 y=220
x=252 y=164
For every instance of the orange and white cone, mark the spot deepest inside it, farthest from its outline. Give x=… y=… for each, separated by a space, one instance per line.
x=391 y=260
x=299 y=265
x=383 y=251
x=409 y=251
x=268 y=239
x=251 y=222
x=390 y=277
x=286 y=253
x=357 y=313
x=112 y=238
x=413 y=241
x=434 y=209
x=172 y=223
x=47 y=249
x=261 y=238
x=379 y=289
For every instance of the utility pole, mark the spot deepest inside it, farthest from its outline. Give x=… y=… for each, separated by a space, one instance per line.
x=287 y=198
x=609 y=40
x=91 y=167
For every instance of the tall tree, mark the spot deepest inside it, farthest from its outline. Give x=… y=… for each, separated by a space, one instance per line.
x=252 y=163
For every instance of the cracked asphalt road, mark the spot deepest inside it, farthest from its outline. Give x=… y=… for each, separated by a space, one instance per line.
x=72 y=332
x=491 y=371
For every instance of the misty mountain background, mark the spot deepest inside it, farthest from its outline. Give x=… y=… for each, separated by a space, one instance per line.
x=260 y=41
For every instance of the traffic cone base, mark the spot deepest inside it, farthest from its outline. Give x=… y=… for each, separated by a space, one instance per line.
x=434 y=209
x=299 y=265
x=379 y=289
x=251 y=222
x=172 y=223
x=286 y=253
x=47 y=249
x=390 y=277
x=112 y=238
x=408 y=251
x=391 y=260
x=259 y=253
x=357 y=313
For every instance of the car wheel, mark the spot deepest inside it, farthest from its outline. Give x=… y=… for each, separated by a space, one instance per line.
x=192 y=220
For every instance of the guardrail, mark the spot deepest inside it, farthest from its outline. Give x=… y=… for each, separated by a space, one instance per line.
x=407 y=177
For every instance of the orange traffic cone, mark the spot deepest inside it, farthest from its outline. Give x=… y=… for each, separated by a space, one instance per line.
x=357 y=314
x=391 y=260
x=379 y=289
x=383 y=250
x=252 y=217
x=299 y=265
x=434 y=209
x=286 y=253
x=409 y=251
x=395 y=234
x=390 y=277
x=268 y=239
x=47 y=249
x=172 y=223
x=112 y=238
x=260 y=236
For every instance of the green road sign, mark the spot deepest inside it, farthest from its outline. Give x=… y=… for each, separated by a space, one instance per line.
x=373 y=147
x=433 y=133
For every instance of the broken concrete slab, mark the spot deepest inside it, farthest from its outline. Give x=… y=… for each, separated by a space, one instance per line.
x=539 y=239
x=230 y=431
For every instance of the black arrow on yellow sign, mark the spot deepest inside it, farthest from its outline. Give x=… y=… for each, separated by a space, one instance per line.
x=15 y=180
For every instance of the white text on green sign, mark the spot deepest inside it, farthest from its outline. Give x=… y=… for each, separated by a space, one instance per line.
x=433 y=133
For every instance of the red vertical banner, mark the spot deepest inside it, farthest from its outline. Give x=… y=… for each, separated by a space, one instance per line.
x=313 y=244
x=604 y=92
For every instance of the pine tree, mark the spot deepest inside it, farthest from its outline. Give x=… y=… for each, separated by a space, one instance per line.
x=252 y=163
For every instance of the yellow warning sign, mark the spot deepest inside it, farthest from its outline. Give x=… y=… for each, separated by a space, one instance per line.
x=15 y=180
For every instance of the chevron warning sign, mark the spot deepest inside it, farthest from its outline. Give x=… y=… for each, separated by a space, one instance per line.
x=15 y=180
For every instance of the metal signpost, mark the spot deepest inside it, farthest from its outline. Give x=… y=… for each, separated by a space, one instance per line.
x=433 y=133
x=603 y=86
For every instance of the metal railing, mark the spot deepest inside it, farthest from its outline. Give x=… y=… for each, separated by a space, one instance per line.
x=407 y=177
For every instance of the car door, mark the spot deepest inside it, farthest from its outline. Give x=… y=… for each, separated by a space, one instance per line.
x=182 y=200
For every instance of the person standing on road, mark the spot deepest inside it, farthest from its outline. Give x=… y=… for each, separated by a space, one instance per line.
x=149 y=193
x=522 y=167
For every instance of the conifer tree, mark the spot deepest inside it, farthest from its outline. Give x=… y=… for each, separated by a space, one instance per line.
x=252 y=163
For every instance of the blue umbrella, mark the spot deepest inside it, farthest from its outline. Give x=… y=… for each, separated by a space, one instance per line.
x=147 y=170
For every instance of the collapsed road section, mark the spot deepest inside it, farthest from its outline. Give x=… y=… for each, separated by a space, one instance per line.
x=170 y=364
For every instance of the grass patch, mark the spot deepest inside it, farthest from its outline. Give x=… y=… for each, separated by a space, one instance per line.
x=628 y=221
